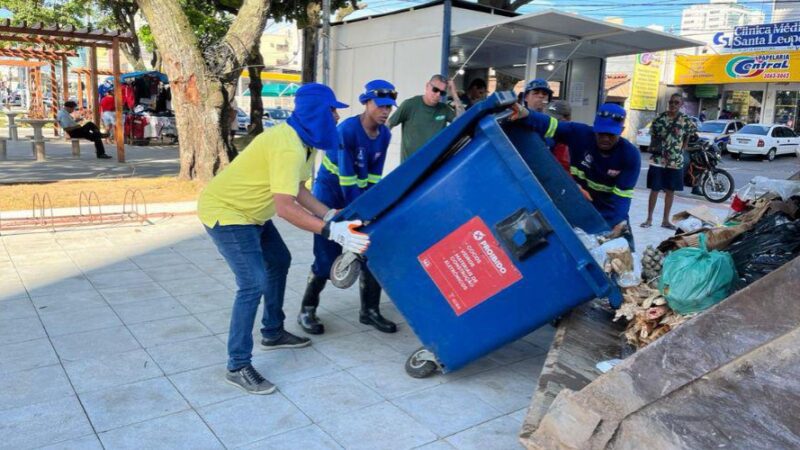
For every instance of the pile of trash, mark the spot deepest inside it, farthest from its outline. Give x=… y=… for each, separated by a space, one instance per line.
x=707 y=260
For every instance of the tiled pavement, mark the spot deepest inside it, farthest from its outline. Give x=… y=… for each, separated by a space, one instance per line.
x=115 y=338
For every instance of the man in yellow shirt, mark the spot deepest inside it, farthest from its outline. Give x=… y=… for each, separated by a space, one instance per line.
x=266 y=179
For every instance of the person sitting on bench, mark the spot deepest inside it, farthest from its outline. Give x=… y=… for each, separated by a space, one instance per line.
x=87 y=131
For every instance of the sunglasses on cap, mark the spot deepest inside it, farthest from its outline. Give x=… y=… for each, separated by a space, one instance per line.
x=384 y=93
x=612 y=116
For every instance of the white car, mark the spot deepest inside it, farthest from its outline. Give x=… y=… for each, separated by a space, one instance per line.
x=765 y=140
x=719 y=131
x=643 y=134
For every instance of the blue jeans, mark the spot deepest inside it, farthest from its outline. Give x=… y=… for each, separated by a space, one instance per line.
x=260 y=261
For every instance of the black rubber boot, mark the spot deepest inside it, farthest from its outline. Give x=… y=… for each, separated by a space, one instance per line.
x=370 y=304
x=308 y=309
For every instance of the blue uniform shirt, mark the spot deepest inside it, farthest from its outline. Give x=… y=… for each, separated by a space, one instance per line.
x=355 y=167
x=610 y=179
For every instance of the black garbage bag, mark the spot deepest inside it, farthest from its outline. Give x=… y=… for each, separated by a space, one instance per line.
x=774 y=241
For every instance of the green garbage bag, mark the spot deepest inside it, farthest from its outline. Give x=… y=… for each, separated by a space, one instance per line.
x=693 y=279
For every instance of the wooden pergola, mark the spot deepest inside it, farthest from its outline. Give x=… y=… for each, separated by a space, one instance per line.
x=86 y=72
x=52 y=40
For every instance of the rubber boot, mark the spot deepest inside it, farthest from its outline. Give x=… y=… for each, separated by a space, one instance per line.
x=308 y=309
x=370 y=304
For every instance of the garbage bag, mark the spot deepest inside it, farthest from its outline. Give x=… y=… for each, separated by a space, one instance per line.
x=694 y=279
x=771 y=243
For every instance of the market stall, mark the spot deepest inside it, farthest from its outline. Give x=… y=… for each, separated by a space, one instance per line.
x=147 y=107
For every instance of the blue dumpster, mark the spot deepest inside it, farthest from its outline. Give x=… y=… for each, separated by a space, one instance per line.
x=472 y=238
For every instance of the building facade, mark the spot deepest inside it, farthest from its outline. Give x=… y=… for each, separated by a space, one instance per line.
x=702 y=22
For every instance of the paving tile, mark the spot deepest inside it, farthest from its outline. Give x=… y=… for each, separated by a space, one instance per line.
x=519 y=416
x=152 y=260
x=194 y=285
x=67 y=301
x=129 y=294
x=541 y=337
x=514 y=352
x=190 y=354
x=482 y=365
x=247 y=419
x=502 y=388
x=389 y=378
x=446 y=409
x=95 y=265
x=219 y=320
x=330 y=395
x=33 y=386
x=182 y=430
x=335 y=326
x=111 y=370
x=12 y=288
x=404 y=341
x=292 y=365
x=58 y=323
x=73 y=347
x=307 y=438
x=355 y=349
x=500 y=433
x=20 y=330
x=16 y=308
x=77 y=283
x=38 y=424
x=89 y=442
x=378 y=426
x=530 y=367
x=166 y=331
x=118 y=279
x=180 y=271
x=151 y=309
x=388 y=311
x=207 y=301
x=436 y=445
x=131 y=403
x=205 y=386
x=26 y=355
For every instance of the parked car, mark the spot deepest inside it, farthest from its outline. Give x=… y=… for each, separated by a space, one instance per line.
x=764 y=140
x=277 y=114
x=719 y=131
x=243 y=119
x=643 y=134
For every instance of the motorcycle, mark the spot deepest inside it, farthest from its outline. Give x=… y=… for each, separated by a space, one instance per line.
x=701 y=171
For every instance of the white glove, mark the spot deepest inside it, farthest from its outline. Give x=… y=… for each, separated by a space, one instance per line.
x=329 y=215
x=344 y=233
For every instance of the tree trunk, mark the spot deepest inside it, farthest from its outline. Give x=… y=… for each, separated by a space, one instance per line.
x=254 y=66
x=309 y=54
x=200 y=99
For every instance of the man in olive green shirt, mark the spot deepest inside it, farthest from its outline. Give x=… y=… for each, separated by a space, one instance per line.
x=425 y=115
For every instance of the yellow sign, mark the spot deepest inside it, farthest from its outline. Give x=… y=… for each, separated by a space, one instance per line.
x=646 y=76
x=751 y=67
x=276 y=76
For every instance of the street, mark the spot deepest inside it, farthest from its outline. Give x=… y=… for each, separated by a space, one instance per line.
x=742 y=170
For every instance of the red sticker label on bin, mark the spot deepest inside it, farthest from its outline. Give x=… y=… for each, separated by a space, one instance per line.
x=469 y=266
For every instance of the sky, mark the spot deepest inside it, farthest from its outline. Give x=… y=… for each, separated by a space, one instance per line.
x=666 y=13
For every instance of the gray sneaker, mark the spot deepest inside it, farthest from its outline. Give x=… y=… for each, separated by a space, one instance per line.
x=250 y=380
x=285 y=340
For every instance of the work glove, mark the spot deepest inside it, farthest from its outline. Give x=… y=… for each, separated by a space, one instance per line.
x=344 y=233
x=519 y=112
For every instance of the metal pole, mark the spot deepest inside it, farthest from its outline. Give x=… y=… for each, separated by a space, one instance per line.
x=448 y=10
x=326 y=49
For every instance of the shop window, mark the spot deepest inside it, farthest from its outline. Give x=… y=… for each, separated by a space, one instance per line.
x=744 y=105
x=786 y=105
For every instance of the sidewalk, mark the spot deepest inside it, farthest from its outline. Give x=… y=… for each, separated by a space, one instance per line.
x=115 y=337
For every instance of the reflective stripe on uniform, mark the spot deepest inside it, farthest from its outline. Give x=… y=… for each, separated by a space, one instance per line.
x=372 y=178
x=551 y=129
x=332 y=168
x=600 y=187
x=348 y=180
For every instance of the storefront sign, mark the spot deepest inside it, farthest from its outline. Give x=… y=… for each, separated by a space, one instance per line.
x=703 y=91
x=646 y=76
x=770 y=36
x=750 y=67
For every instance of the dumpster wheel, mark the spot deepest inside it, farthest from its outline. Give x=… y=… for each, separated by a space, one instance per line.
x=345 y=270
x=421 y=364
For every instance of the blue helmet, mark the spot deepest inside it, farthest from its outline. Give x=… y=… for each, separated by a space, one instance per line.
x=538 y=83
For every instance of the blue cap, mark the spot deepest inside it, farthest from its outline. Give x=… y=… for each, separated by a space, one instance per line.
x=538 y=84
x=318 y=93
x=381 y=92
x=610 y=119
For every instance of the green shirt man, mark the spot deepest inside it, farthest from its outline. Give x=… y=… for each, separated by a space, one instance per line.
x=423 y=116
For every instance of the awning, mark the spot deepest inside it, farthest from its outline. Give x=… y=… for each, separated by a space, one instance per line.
x=558 y=35
x=276 y=90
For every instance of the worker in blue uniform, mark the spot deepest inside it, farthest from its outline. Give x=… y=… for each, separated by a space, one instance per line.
x=604 y=164
x=343 y=176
